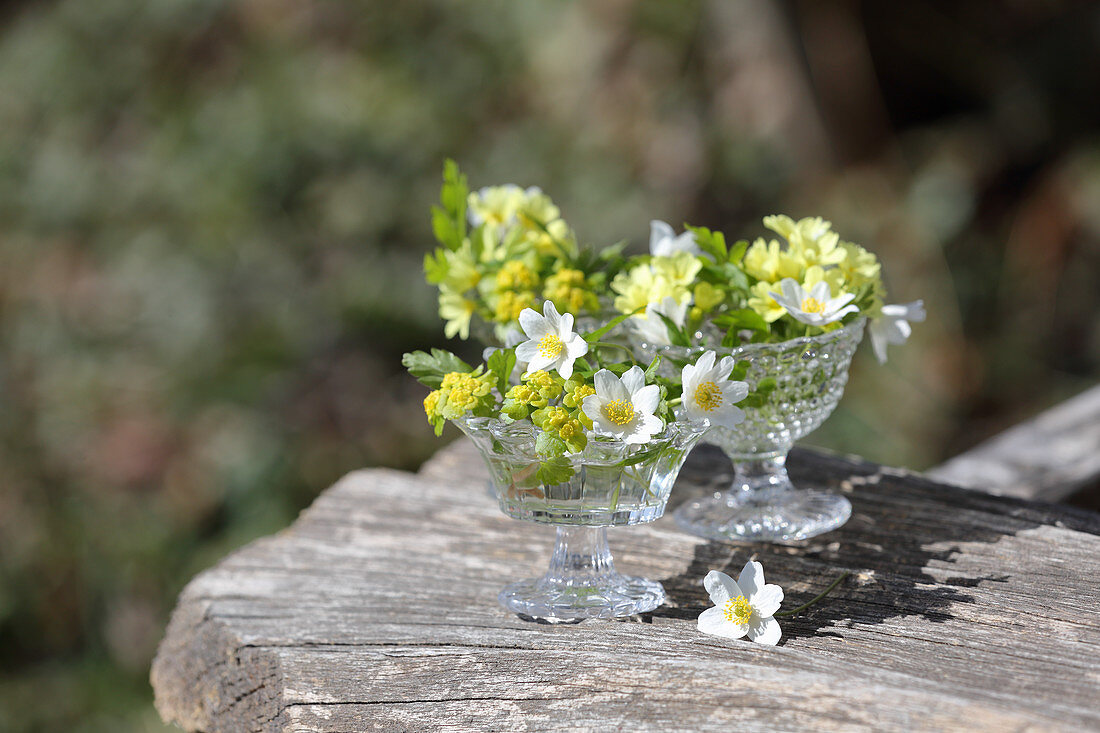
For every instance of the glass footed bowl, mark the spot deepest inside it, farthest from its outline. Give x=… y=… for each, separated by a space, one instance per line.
x=608 y=484
x=810 y=374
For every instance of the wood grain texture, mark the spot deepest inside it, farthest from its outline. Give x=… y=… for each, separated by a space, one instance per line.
x=1047 y=457
x=377 y=610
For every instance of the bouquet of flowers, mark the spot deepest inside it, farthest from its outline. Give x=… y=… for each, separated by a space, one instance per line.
x=696 y=289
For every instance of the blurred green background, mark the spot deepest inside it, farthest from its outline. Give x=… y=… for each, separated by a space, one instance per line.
x=213 y=213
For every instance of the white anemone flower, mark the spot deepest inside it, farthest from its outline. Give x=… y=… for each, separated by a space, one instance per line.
x=551 y=342
x=651 y=329
x=746 y=606
x=663 y=241
x=814 y=308
x=893 y=326
x=710 y=394
x=623 y=408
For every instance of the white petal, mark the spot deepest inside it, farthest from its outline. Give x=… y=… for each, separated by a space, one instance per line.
x=659 y=233
x=766 y=601
x=820 y=292
x=728 y=417
x=734 y=392
x=878 y=339
x=532 y=323
x=843 y=312
x=810 y=319
x=634 y=379
x=646 y=399
x=565 y=365
x=565 y=330
x=553 y=318
x=721 y=587
x=705 y=363
x=792 y=291
x=644 y=427
x=592 y=406
x=539 y=362
x=909 y=311
x=834 y=303
x=609 y=387
x=765 y=631
x=576 y=346
x=901 y=332
x=527 y=351
x=751 y=579
x=686 y=243
x=713 y=621
x=725 y=367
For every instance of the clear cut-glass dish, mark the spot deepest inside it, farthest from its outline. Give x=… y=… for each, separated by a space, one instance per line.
x=608 y=484
x=810 y=374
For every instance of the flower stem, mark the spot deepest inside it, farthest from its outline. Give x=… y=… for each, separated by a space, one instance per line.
x=817 y=598
x=606 y=345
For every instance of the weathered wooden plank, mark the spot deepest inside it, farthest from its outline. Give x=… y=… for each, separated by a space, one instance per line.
x=1047 y=457
x=377 y=610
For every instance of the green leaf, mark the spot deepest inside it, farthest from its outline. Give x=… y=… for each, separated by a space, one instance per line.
x=676 y=334
x=549 y=445
x=449 y=223
x=501 y=363
x=745 y=318
x=599 y=332
x=766 y=385
x=455 y=191
x=753 y=400
x=554 y=471
x=642 y=455
x=713 y=243
x=435 y=267
x=737 y=251
x=726 y=275
x=430 y=369
x=652 y=368
x=443 y=226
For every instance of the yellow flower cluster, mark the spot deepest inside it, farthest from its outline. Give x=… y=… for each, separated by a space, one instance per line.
x=459 y=394
x=513 y=255
x=660 y=278
x=813 y=253
x=570 y=291
x=533 y=399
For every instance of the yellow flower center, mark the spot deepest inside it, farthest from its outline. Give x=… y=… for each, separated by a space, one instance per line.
x=551 y=346
x=813 y=305
x=737 y=610
x=620 y=412
x=708 y=396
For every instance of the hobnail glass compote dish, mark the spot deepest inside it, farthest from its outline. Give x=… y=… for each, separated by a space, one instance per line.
x=611 y=484
x=762 y=504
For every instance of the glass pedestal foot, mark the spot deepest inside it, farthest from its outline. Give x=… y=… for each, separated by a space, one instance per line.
x=581 y=583
x=763 y=506
x=774 y=514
